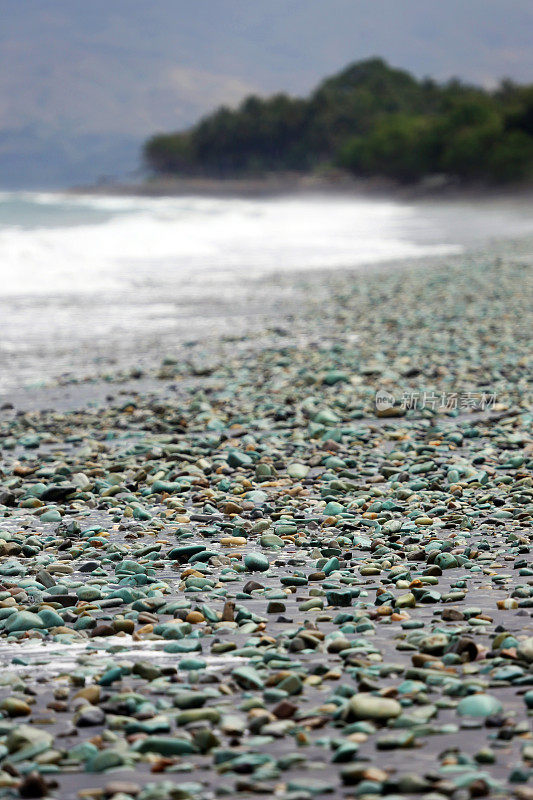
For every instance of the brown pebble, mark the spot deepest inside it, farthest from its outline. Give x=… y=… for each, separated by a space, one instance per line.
x=424 y=659
x=452 y=615
x=89 y=693
x=57 y=705
x=124 y=625
x=285 y=709
x=228 y=612
x=232 y=508
x=251 y=586
x=479 y=788
x=195 y=617
x=145 y=618
x=102 y=630
x=33 y=785
x=121 y=787
x=523 y=793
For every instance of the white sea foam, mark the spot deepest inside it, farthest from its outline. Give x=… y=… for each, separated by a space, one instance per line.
x=167 y=240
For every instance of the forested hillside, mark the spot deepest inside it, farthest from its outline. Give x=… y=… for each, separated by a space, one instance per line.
x=371 y=120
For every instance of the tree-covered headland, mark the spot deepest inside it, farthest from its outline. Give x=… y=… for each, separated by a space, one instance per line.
x=371 y=120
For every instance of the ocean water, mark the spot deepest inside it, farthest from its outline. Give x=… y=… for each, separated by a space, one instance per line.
x=92 y=282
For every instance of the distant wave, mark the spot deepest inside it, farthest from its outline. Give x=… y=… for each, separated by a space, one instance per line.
x=143 y=240
x=92 y=280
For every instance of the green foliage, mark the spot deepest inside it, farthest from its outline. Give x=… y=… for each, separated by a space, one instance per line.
x=351 y=102
x=261 y=134
x=400 y=146
x=511 y=158
x=371 y=120
x=171 y=153
x=468 y=132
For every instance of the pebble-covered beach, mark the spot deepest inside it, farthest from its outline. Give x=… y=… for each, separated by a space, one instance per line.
x=290 y=565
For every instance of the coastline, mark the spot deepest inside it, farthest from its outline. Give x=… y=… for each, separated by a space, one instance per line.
x=154 y=274
x=276 y=185
x=279 y=308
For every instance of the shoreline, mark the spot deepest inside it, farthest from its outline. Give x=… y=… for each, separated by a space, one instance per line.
x=232 y=283
x=285 y=318
x=274 y=186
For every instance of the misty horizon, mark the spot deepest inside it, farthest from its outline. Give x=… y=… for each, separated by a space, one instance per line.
x=82 y=87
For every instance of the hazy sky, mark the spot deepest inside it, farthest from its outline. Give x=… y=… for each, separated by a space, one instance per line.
x=82 y=82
